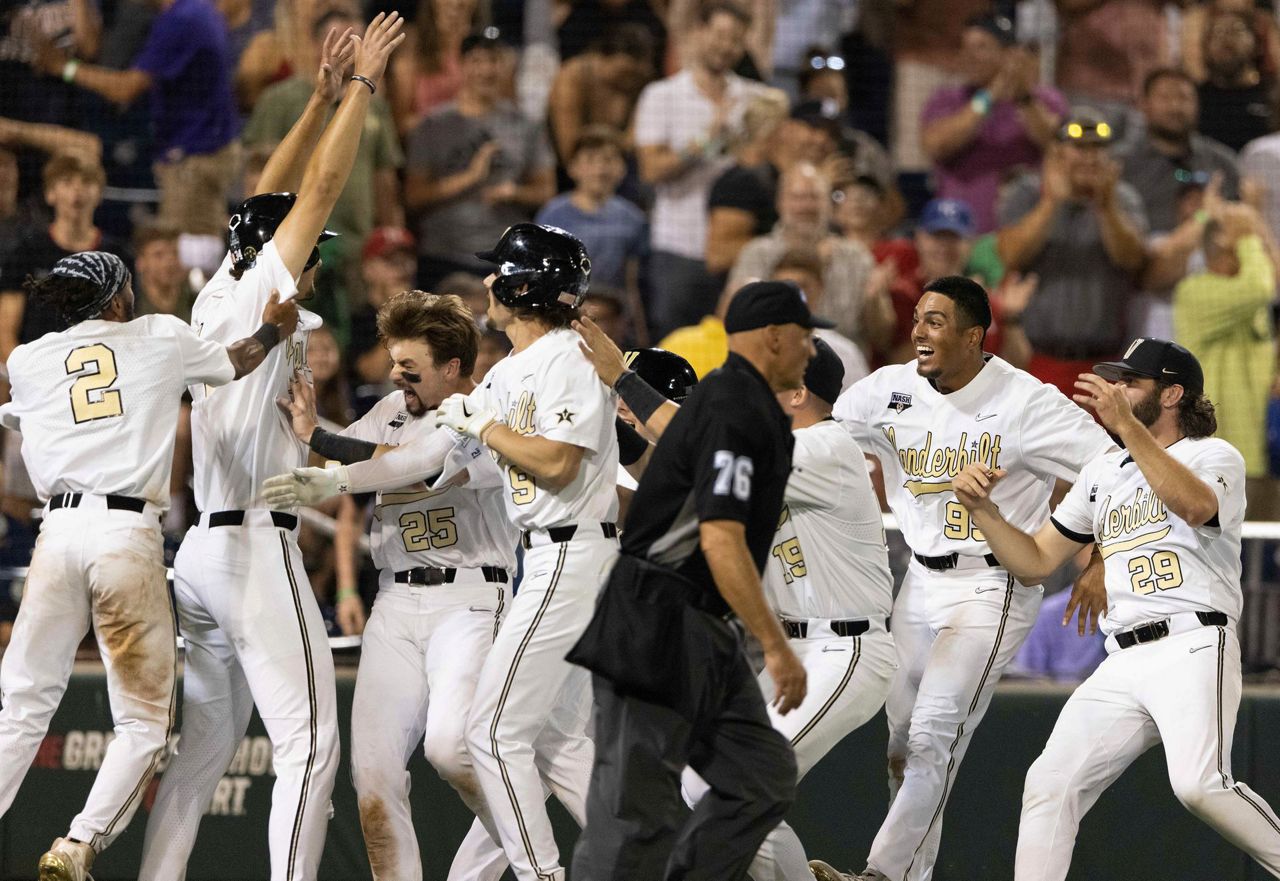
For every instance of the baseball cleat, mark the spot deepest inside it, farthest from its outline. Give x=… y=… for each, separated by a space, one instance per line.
x=67 y=861
x=825 y=872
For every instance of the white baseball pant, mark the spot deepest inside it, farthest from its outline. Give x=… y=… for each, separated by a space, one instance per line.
x=848 y=681
x=253 y=635
x=531 y=707
x=955 y=631
x=1183 y=690
x=105 y=568
x=420 y=660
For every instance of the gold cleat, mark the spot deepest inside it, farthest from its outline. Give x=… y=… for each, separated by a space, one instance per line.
x=67 y=861
x=825 y=872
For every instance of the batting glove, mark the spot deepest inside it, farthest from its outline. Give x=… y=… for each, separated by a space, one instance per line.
x=305 y=486
x=462 y=415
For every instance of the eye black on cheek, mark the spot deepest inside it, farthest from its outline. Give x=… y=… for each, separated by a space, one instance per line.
x=411 y=377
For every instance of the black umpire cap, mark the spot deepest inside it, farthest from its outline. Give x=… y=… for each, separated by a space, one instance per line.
x=762 y=303
x=1166 y=361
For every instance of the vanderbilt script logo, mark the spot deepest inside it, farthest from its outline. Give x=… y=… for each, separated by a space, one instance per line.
x=926 y=464
x=1144 y=511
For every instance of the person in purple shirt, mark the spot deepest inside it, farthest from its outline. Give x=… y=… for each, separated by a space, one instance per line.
x=997 y=123
x=186 y=66
x=1058 y=651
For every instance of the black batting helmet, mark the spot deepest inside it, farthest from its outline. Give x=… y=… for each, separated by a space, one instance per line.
x=256 y=221
x=549 y=264
x=665 y=371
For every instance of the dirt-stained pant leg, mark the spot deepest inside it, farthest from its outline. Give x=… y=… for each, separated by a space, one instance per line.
x=53 y=618
x=133 y=620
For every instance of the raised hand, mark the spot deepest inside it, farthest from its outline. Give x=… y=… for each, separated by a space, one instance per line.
x=283 y=315
x=974 y=484
x=1107 y=399
x=602 y=352
x=300 y=407
x=336 y=57
x=383 y=35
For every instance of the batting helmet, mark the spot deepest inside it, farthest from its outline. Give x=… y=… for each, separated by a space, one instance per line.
x=539 y=267
x=256 y=221
x=665 y=371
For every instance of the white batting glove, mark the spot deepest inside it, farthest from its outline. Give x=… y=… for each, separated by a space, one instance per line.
x=305 y=486
x=462 y=415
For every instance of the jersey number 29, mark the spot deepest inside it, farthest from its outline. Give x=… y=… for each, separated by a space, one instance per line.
x=92 y=395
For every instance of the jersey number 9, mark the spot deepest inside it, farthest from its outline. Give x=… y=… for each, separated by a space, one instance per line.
x=92 y=395
x=523 y=489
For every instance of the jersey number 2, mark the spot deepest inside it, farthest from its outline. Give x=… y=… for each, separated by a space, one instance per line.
x=92 y=395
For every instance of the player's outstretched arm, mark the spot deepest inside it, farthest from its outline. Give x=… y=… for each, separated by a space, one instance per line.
x=1030 y=559
x=724 y=544
x=330 y=165
x=279 y=320
x=653 y=410
x=283 y=171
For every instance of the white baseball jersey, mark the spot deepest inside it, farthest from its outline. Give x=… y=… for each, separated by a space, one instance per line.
x=239 y=437
x=98 y=403
x=550 y=389
x=829 y=558
x=1155 y=563
x=1004 y=417
x=458 y=527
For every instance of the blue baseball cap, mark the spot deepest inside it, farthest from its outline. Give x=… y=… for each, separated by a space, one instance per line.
x=948 y=215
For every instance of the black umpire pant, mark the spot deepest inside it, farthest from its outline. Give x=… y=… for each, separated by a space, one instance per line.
x=638 y=827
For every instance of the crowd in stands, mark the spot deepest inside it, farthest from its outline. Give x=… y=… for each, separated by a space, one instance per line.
x=1109 y=169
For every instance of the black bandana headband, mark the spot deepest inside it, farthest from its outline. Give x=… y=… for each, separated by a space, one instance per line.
x=106 y=271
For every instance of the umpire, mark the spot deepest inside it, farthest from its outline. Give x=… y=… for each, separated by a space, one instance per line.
x=672 y=684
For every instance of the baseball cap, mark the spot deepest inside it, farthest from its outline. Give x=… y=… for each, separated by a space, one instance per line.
x=1157 y=359
x=825 y=374
x=387 y=240
x=948 y=215
x=1086 y=126
x=488 y=38
x=762 y=303
x=999 y=26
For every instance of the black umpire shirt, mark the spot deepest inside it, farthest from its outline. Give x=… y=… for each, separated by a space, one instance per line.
x=725 y=456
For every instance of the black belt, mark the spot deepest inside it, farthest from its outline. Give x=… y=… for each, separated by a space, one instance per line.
x=1160 y=629
x=949 y=561
x=561 y=534
x=848 y=627
x=429 y=575
x=114 y=503
x=236 y=518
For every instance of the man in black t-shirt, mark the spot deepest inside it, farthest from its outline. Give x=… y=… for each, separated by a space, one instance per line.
x=1236 y=99
x=672 y=685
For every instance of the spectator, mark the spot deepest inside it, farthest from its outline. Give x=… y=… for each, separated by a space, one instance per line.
x=1080 y=230
x=822 y=78
x=742 y=201
x=73 y=189
x=600 y=87
x=703 y=344
x=998 y=121
x=1195 y=21
x=803 y=267
x=494 y=346
x=843 y=152
x=159 y=280
x=76 y=25
x=944 y=241
x=371 y=197
x=1170 y=153
x=1260 y=166
x=11 y=219
x=604 y=307
x=582 y=21
x=804 y=221
x=684 y=124
x=613 y=229
x=426 y=74
x=863 y=212
x=387 y=267
x=186 y=66
x=471 y=290
x=1057 y=651
x=475 y=167
x=803 y=32
x=1223 y=315
x=270 y=55
x=1235 y=99
x=30 y=140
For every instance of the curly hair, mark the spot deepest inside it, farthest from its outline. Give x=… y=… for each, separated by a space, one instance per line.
x=442 y=321
x=67 y=297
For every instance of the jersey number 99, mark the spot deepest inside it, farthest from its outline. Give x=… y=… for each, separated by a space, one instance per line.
x=92 y=395
x=959 y=526
x=423 y=532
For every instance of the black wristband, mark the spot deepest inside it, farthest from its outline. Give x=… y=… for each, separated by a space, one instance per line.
x=342 y=449
x=268 y=335
x=641 y=397
x=631 y=446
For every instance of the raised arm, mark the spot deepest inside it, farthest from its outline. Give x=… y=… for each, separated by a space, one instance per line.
x=283 y=171
x=330 y=165
x=653 y=410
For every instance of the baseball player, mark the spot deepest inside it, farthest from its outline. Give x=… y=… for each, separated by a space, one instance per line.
x=827 y=577
x=552 y=434
x=97 y=404
x=666 y=372
x=253 y=631
x=1166 y=514
x=445 y=559
x=959 y=616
